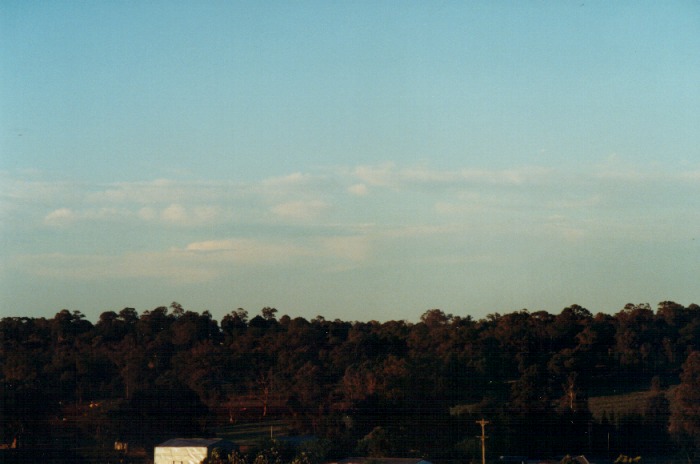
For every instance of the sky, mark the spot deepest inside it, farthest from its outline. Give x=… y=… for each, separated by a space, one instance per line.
x=363 y=160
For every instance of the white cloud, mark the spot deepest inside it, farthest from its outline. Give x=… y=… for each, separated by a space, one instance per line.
x=587 y=201
x=359 y=190
x=247 y=250
x=60 y=217
x=619 y=169
x=466 y=204
x=174 y=213
x=300 y=210
x=162 y=192
x=389 y=175
x=423 y=230
x=564 y=228
x=177 y=214
x=693 y=176
x=147 y=213
x=66 y=216
x=262 y=251
x=207 y=214
x=423 y=174
x=290 y=180
x=382 y=175
x=354 y=248
x=196 y=262
x=216 y=245
x=412 y=195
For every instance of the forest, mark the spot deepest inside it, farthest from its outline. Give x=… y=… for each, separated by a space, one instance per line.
x=396 y=388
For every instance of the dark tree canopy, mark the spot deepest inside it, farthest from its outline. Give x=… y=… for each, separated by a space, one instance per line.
x=377 y=387
x=685 y=417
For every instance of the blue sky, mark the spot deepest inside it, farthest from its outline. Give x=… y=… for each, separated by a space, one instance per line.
x=355 y=160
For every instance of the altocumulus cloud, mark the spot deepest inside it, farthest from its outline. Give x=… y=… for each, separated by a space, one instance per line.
x=338 y=216
x=300 y=209
x=198 y=261
x=258 y=251
x=60 y=216
x=247 y=250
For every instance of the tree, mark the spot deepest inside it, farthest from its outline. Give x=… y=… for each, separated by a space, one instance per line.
x=167 y=410
x=130 y=359
x=377 y=443
x=634 y=337
x=234 y=323
x=203 y=369
x=685 y=408
x=66 y=325
x=268 y=313
x=25 y=411
x=656 y=416
x=177 y=309
x=435 y=318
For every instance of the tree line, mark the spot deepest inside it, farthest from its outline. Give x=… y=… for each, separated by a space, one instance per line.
x=393 y=388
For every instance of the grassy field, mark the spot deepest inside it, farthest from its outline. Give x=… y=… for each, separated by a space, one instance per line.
x=622 y=405
x=250 y=434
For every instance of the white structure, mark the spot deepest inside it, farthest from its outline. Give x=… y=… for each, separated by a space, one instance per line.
x=189 y=450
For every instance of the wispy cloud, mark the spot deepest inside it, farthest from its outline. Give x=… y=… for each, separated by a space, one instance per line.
x=60 y=216
x=247 y=251
x=66 y=216
x=693 y=176
x=380 y=175
x=171 y=265
x=197 y=261
x=365 y=220
x=355 y=248
x=390 y=175
x=290 y=181
x=359 y=190
x=411 y=195
x=173 y=214
x=161 y=191
x=300 y=210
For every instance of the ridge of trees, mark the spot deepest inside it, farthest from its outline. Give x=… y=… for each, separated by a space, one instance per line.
x=396 y=387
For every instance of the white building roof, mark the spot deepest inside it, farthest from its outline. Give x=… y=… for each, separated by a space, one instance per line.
x=187 y=450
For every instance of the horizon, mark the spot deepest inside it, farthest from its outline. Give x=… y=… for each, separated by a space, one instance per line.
x=357 y=161
x=277 y=316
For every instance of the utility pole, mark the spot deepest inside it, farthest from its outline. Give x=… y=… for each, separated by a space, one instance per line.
x=483 y=437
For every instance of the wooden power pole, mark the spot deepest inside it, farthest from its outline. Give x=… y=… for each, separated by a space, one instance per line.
x=483 y=437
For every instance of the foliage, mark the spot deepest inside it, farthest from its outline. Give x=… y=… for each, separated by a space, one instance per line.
x=268 y=456
x=379 y=388
x=685 y=407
